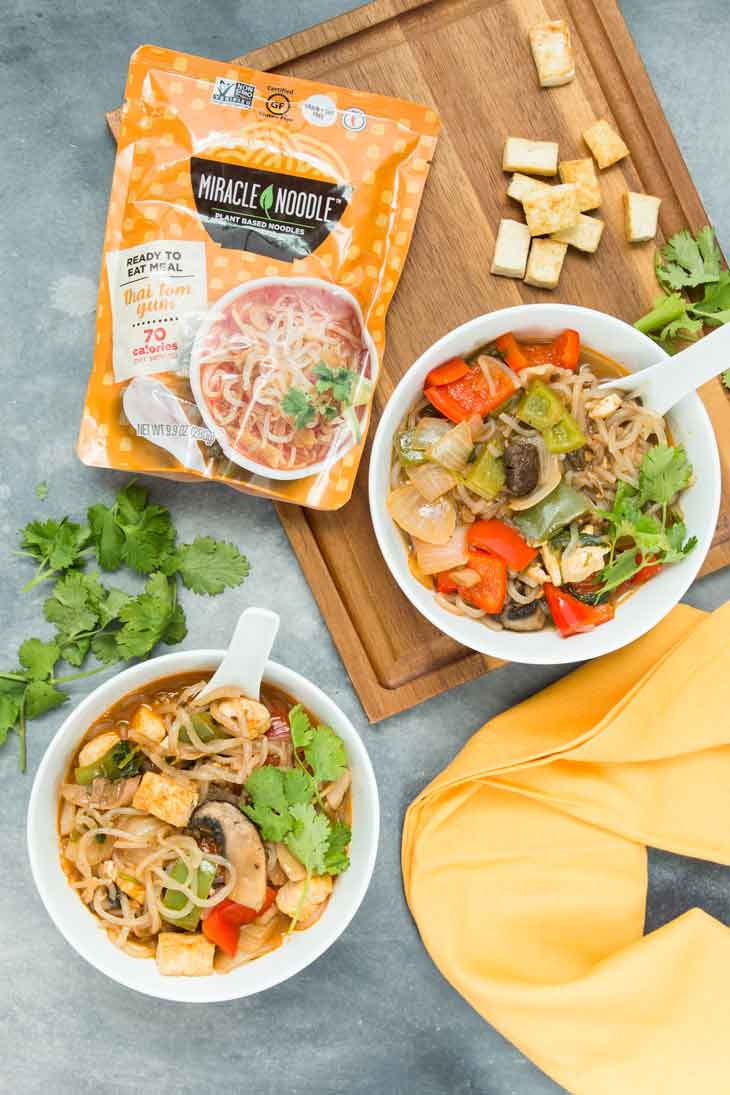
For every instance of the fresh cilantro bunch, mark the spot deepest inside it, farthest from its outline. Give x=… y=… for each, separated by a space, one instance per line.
x=286 y=806
x=683 y=266
x=91 y=618
x=332 y=394
x=653 y=536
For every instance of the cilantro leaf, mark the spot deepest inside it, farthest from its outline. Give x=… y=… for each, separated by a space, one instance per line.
x=685 y=262
x=104 y=647
x=298 y=785
x=336 y=859
x=146 y=617
x=309 y=837
x=40 y=696
x=107 y=536
x=148 y=540
x=176 y=627
x=130 y=503
x=71 y=606
x=298 y=406
x=269 y=807
x=9 y=712
x=325 y=755
x=57 y=545
x=41 y=490
x=623 y=567
x=664 y=472
x=210 y=566
x=38 y=658
x=340 y=382
x=301 y=728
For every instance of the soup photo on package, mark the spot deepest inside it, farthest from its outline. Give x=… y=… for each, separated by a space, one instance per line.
x=255 y=237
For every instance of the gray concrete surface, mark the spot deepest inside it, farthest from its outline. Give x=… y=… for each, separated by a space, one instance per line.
x=373 y=1015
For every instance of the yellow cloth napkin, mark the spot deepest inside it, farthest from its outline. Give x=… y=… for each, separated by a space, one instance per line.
x=525 y=867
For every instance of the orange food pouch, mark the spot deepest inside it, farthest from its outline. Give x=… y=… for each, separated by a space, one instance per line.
x=257 y=228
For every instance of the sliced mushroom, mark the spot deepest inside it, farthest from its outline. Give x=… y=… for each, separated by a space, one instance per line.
x=335 y=792
x=522 y=467
x=523 y=617
x=548 y=482
x=238 y=840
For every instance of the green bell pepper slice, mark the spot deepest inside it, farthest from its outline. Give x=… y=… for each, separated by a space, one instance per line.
x=540 y=407
x=116 y=763
x=201 y=885
x=565 y=435
x=205 y=727
x=407 y=454
x=486 y=477
x=541 y=521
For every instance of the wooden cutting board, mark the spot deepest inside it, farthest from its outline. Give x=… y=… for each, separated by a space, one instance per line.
x=471 y=61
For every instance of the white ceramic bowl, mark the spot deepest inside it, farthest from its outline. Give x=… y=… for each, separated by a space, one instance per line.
x=80 y=927
x=218 y=432
x=690 y=426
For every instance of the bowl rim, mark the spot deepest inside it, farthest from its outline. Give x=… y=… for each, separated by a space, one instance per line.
x=250 y=978
x=194 y=374
x=596 y=643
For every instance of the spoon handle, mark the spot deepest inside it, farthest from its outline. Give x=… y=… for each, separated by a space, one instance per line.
x=245 y=660
x=665 y=384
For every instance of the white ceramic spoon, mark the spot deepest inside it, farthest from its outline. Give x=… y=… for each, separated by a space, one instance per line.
x=664 y=384
x=245 y=660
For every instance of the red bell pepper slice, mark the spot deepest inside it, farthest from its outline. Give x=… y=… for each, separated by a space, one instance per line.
x=573 y=617
x=514 y=354
x=491 y=592
x=446 y=373
x=445 y=583
x=566 y=350
x=224 y=921
x=462 y=399
x=498 y=538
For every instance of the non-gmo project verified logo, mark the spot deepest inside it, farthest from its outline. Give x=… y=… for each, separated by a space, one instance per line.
x=233 y=93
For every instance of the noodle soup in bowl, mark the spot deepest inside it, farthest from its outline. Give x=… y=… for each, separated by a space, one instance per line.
x=282 y=371
x=143 y=846
x=523 y=467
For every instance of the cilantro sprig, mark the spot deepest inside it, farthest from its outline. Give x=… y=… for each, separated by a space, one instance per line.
x=332 y=394
x=105 y=622
x=685 y=266
x=640 y=536
x=286 y=804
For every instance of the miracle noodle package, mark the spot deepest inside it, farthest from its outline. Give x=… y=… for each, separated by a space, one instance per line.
x=257 y=228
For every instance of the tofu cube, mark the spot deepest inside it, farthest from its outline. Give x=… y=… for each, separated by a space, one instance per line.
x=605 y=144
x=545 y=263
x=167 y=799
x=522 y=185
x=641 y=215
x=585 y=235
x=149 y=723
x=551 y=210
x=511 y=249
x=533 y=157
x=183 y=955
x=605 y=407
x=552 y=51
x=583 y=174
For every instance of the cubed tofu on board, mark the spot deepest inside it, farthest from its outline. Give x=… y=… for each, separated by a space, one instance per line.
x=522 y=185
x=583 y=174
x=182 y=955
x=605 y=144
x=545 y=263
x=585 y=234
x=167 y=799
x=641 y=216
x=511 y=249
x=552 y=51
x=532 y=157
x=551 y=210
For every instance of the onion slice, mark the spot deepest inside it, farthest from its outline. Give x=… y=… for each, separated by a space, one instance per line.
x=453 y=450
x=433 y=522
x=429 y=430
x=432 y=480
x=433 y=558
x=546 y=486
